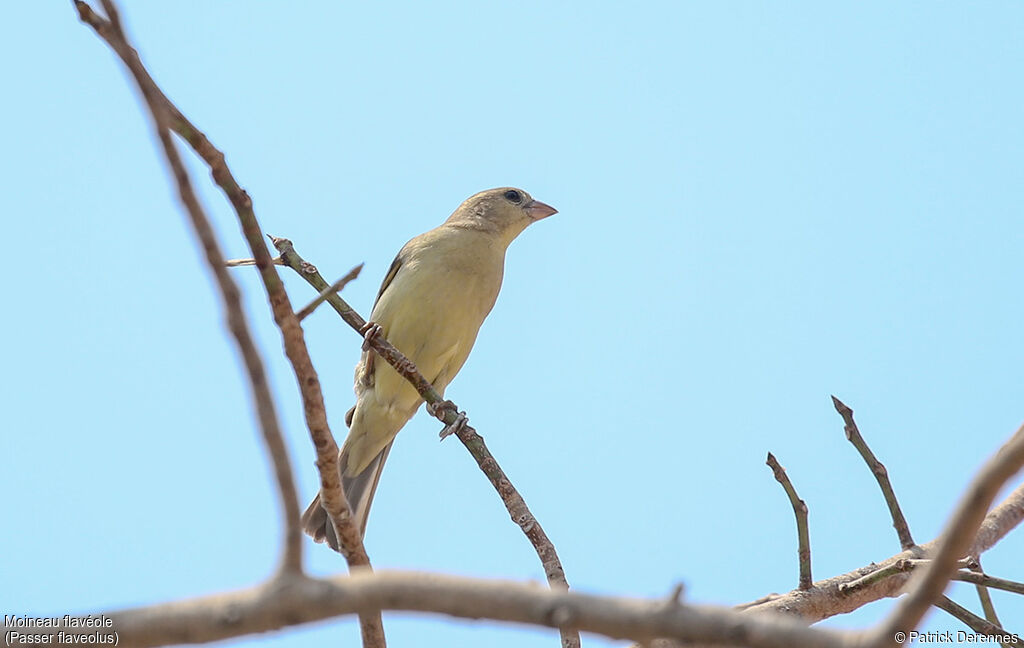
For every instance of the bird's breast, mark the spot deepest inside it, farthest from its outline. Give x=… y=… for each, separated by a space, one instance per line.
x=435 y=306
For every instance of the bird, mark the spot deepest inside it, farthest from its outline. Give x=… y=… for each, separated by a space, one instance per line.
x=430 y=306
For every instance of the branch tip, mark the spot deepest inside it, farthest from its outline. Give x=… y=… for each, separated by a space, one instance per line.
x=877 y=468
x=675 y=597
x=800 y=512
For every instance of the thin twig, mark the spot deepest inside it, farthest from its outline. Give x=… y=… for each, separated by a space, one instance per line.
x=800 y=511
x=878 y=469
x=110 y=30
x=513 y=501
x=963 y=563
x=970 y=619
x=761 y=601
x=987 y=606
x=308 y=309
x=675 y=597
x=880 y=574
x=909 y=564
x=167 y=116
x=984 y=596
x=984 y=580
x=957 y=538
x=237 y=263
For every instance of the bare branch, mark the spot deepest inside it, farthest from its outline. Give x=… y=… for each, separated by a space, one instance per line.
x=989 y=608
x=955 y=542
x=298 y=599
x=167 y=116
x=984 y=596
x=904 y=565
x=449 y=414
x=110 y=30
x=984 y=580
x=878 y=469
x=800 y=511
x=308 y=309
x=970 y=619
x=833 y=596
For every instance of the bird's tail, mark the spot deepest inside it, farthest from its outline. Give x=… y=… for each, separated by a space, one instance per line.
x=359 y=492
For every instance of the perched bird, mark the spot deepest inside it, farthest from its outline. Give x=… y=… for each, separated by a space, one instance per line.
x=430 y=306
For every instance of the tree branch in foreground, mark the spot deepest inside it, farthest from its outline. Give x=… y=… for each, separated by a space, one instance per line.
x=111 y=31
x=166 y=116
x=299 y=599
x=1000 y=521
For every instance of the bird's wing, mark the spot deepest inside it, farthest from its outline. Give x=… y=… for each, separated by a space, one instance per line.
x=389 y=277
x=364 y=374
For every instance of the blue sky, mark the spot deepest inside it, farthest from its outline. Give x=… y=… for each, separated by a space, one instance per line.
x=761 y=204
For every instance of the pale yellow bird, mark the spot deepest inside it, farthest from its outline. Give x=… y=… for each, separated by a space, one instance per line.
x=430 y=306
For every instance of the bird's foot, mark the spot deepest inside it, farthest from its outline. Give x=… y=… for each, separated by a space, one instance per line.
x=371 y=331
x=461 y=424
x=440 y=410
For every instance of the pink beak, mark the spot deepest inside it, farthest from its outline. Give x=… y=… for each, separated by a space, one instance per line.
x=538 y=210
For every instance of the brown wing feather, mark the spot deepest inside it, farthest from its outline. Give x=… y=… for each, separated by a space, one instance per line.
x=366 y=375
x=389 y=277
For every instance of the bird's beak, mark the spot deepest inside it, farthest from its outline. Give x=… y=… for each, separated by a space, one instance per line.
x=538 y=210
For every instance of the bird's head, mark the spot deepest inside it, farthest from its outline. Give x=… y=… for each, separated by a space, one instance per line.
x=506 y=211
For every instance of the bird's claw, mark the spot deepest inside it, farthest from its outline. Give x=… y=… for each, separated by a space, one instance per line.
x=438 y=409
x=441 y=409
x=461 y=423
x=371 y=331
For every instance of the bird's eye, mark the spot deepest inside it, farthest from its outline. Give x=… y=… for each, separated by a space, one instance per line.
x=513 y=196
